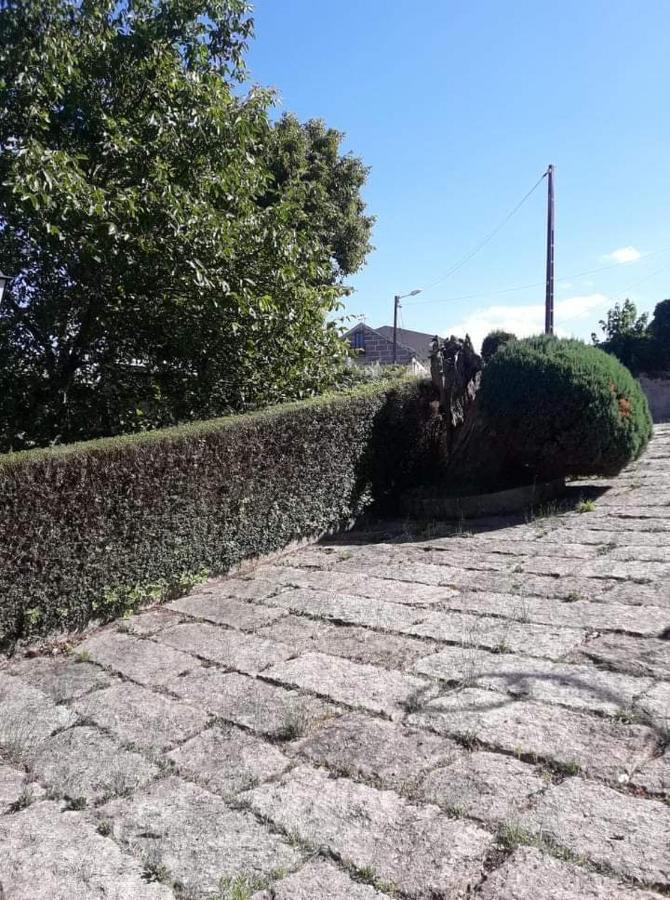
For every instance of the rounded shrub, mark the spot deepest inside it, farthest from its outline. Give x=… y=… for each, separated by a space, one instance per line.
x=493 y=341
x=558 y=407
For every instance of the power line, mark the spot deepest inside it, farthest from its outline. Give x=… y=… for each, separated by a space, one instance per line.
x=489 y=237
x=533 y=284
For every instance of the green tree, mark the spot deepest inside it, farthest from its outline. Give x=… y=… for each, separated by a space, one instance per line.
x=659 y=329
x=167 y=269
x=493 y=341
x=626 y=337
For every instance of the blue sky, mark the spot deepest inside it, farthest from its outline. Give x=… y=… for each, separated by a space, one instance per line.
x=458 y=106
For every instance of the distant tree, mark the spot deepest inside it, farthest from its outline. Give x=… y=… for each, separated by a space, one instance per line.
x=177 y=255
x=659 y=329
x=493 y=341
x=626 y=337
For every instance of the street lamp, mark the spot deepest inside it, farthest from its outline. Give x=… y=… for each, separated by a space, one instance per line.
x=4 y=281
x=396 y=307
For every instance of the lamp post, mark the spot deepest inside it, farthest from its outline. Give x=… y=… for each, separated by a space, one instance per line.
x=396 y=307
x=4 y=281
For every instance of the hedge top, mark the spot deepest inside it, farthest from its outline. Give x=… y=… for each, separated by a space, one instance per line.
x=190 y=430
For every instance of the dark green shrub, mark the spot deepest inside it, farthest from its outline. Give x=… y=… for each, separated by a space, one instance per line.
x=93 y=530
x=493 y=341
x=557 y=407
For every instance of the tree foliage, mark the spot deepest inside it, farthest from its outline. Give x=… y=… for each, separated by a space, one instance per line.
x=557 y=407
x=177 y=254
x=493 y=341
x=634 y=341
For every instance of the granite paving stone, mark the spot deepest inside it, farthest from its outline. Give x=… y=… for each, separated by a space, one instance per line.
x=354 y=684
x=61 y=677
x=227 y=760
x=624 y=653
x=197 y=838
x=148 y=623
x=629 y=835
x=578 y=686
x=138 y=716
x=242 y=652
x=349 y=609
x=358 y=585
x=265 y=708
x=656 y=703
x=486 y=631
x=390 y=651
x=654 y=776
x=49 y=854
x=27 y=717
x=140 y=660
x=12 y=784
x=230 y=611
x=84 y=763
x=385 y=753
x=604 y=749
x=486 y=786
x=320 y=880
x=531 y=875
x=417 y=848
x=574 y=612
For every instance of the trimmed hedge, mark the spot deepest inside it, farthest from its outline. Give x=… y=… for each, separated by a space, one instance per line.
x=559 y=407
x=96 y=529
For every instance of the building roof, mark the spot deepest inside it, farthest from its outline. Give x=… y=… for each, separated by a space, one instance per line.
x=418 y=341
x=374 y=347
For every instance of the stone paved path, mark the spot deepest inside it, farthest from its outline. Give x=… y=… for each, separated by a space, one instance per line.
x=406 y=715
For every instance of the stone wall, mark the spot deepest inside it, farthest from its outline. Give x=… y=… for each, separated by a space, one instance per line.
x=657 y=389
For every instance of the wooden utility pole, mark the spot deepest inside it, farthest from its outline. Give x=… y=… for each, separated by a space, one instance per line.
x=549 y=295
x=396 y=304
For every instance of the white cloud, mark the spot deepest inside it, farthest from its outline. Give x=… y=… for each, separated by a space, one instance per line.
x=524 y=321
x=623 y=255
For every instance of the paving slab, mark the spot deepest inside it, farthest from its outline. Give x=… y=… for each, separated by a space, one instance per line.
x=48 y=854
x=146 y=624
x=85 y=764
x=357 y=585
x=240 y=614
x=61 y=677
x=629 y=835
x=12 y=784
x=264 y=708
x=250 y=587
x=349 y=609
x=654 y=776
x=355 y=684
x=485 y=631
x=414 y=847
x=577 y=686
x=197 y=838
x=140 y=717
x=320 y=880
x=242 y=652
x=384 y=753
x=486 y=786
x=656 y=703
x=601 y=748
x=140 y=660
x=227 y=760
x=624 y=653
x=572 y=612
x=531 y=875
x=390 y=651
x=27 y=717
